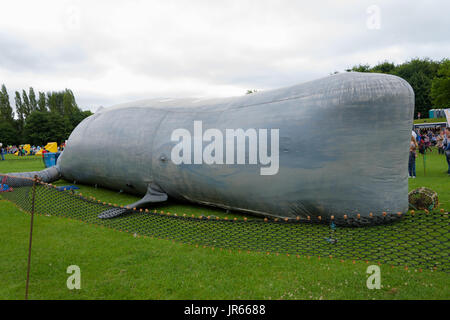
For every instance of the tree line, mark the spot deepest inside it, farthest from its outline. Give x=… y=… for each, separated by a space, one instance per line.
x=429 y=79
x=38 y=118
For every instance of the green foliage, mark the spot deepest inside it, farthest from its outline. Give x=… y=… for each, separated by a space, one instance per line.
x=6 y=112
x=360 y=68
x=8 y=133
x=26 y=104
x=421 y=84
x=51 y=117
x=440 y=88
x=54 y=101
x=42 y=102
x=33 y=102
x=8 y=129
x=76 y=117
x=42 y=127
x=426 y=66
x=384 y=67
x=20 y=110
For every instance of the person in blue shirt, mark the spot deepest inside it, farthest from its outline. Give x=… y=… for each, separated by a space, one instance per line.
x=418 y=137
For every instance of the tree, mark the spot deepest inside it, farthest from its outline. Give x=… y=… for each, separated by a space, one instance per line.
x=360 y=68
x=20 y=110
x=33 y=102
x=9 y=134
x=26 y=104
x=54 y=101
x=408 y=69
x=6 y=112
x=440 y=87
x=384 y=67
x=43 y=127
x=50 y=117
x=419 y=74
x=64 y=115
x=421 y=85
x=77 y=117
x=69 y=106
x=64 y=104
x=42 y=102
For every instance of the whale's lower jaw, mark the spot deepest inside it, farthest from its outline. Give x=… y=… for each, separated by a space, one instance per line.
x=311 y=212
x=20 y=179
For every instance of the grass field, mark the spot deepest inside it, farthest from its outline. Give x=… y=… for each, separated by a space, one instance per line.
x=117 y=265
x=430 y=120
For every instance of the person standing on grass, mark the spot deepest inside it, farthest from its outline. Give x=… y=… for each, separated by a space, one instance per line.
x=2 y=151
x=427 y=143
x=447 y=148
x=412 y=158
x=422 y=145
x=440 y=142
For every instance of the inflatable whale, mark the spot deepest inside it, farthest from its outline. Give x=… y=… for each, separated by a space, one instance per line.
x=333 y=147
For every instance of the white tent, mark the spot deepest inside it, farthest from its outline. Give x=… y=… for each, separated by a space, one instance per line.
x=447 y=115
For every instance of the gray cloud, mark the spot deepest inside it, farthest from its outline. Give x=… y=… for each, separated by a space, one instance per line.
x=110 y=51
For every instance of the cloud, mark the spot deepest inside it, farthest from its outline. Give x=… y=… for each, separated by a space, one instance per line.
x=109 y=52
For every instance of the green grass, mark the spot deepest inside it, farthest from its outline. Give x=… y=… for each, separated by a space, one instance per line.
x=430 y=120
x=434 y=176
x=117 y=265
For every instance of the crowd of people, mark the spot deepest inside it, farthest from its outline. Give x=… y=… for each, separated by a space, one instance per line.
x=423 y=140
x=22 y=152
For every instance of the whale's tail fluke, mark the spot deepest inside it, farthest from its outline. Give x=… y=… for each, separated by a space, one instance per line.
x=20 y=179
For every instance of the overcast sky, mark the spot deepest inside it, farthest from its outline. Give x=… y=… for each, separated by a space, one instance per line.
x=110 y=52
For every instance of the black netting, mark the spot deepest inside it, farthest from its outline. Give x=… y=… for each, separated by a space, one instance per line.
x=419 y=240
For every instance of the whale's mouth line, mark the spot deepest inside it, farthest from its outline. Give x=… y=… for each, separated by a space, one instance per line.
x=19 y=179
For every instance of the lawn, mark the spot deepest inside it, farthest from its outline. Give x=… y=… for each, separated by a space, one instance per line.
x=430 y=120
x=117 y=265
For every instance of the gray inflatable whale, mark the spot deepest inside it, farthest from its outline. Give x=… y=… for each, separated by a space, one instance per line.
x=337 y=146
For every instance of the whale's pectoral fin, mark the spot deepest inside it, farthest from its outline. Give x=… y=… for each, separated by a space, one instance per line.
x=153 y=195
